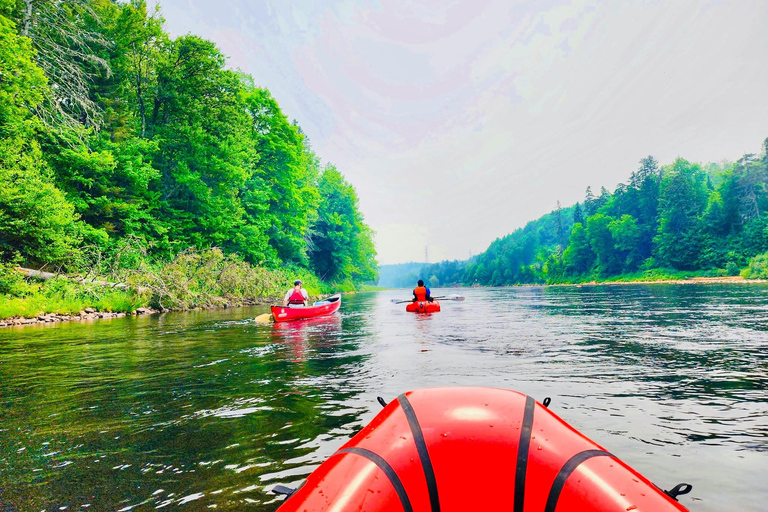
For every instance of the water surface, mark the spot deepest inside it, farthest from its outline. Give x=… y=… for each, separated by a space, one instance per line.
x=205 y=409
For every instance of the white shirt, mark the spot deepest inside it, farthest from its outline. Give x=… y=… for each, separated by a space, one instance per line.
x=303 y=293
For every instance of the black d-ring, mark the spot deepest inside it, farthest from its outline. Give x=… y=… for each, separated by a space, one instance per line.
x=678 y=490
x=381 y=401
x=546 y=402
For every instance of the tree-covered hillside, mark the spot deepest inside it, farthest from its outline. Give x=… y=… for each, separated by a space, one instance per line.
x=113 y=133
x=667 y=220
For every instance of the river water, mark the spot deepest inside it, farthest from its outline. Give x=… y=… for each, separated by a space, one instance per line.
x=208 y=410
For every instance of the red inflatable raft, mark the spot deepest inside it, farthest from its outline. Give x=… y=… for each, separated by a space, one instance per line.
x=423 y=307
x=321 y=308
x=475 y=449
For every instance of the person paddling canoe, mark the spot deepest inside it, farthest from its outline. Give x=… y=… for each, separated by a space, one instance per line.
x=297 y=297
x=421 y=293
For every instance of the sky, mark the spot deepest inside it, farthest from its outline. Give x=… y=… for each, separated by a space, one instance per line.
x=460 y=121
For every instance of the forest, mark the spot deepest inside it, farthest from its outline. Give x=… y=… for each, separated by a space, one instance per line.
x=130 y=154
x=672 y=221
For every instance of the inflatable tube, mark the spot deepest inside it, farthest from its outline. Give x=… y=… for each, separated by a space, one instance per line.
x=423 y=307
x=474 y=449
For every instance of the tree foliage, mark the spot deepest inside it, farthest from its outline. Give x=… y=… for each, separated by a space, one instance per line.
x=682 y=217
x=110 y=130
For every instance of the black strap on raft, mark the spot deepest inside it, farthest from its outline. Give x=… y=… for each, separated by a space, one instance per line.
x=678 y=490
x=381 y=401
x=546 y=402
x=565 y=472
x=421 y=447
x=281 y=489
x=387 y=469
x=522 y=454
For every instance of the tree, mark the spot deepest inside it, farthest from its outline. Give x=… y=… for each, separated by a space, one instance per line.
x=578 y=214
x=36 y=221
x=578 y=258
x=67 y=41
x=284 y=179
x=342 y=244
x=22 y=83
x=682 y=198
x=559 y=224
x=626 y=236
x=602 y=243
x=590 y=208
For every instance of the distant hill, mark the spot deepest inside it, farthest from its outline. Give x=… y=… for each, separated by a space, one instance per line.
x=400 y=275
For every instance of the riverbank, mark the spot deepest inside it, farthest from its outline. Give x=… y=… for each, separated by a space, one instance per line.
x=690 y=280
x=193 y=280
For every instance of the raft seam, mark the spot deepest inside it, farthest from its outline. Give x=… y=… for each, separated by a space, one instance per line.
x=421 y=448
x=568 y=468
x=388 y=470
x=523 y=446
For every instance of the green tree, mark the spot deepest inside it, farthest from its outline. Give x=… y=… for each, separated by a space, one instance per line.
x=342 y=244
x=204 y=154
x=282 y=190
x=607 y=261
x=578 y=258
x=22 y=83
x=682 y=199
x=626 y=235
x=36 y=221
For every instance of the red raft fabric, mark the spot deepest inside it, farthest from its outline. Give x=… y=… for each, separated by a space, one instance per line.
x=470 y=461
x=423 y=307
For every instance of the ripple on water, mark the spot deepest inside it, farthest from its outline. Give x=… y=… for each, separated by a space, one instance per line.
x=208 y=409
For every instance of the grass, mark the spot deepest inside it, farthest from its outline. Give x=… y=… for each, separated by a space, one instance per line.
x=649 y=276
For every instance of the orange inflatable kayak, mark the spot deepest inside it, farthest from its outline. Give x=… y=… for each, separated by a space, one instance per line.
x=475 y=449
x=423 y=307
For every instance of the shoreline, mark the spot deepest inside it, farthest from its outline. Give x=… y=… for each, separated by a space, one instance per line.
x=687 y=281
x=91 y=314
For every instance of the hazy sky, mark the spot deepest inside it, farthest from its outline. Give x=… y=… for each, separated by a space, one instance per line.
x=460 y=121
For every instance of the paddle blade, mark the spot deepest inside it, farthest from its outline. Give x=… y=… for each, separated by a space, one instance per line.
x=266 y=318
x=457 y=298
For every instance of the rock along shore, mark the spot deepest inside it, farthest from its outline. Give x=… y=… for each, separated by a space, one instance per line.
x=91 y=314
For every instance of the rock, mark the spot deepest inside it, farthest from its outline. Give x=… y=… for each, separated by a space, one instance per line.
x=119 y=315
x=90 y=310
x=144 y=311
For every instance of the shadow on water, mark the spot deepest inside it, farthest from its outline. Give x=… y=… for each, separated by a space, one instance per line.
x=209 y=408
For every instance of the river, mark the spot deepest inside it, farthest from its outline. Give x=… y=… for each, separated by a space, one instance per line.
x=203 y=409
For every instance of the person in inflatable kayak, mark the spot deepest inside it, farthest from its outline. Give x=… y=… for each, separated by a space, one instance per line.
x=421 y=293
x=297 y=297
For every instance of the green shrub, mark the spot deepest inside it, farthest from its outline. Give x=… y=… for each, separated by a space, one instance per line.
x=732 y=268
x=757 y=268
x=12 y=282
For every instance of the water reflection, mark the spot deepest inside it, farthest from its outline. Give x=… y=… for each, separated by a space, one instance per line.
x=210 y=408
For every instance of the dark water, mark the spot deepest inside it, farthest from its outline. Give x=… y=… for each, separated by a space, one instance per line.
x=202 y=409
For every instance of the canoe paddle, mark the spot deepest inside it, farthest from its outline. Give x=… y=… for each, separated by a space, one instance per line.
x=266 y=318
x=456 y=298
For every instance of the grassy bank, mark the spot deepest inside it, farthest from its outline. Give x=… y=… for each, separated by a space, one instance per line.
x=646 y=276
x=192 y=279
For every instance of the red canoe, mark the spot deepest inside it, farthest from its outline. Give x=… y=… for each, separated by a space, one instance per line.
x=321 y=308
x=466 y=449
x=423 y=307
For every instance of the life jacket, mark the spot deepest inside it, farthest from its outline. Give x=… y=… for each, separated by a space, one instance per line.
x=421 y=293
x=296 y=297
